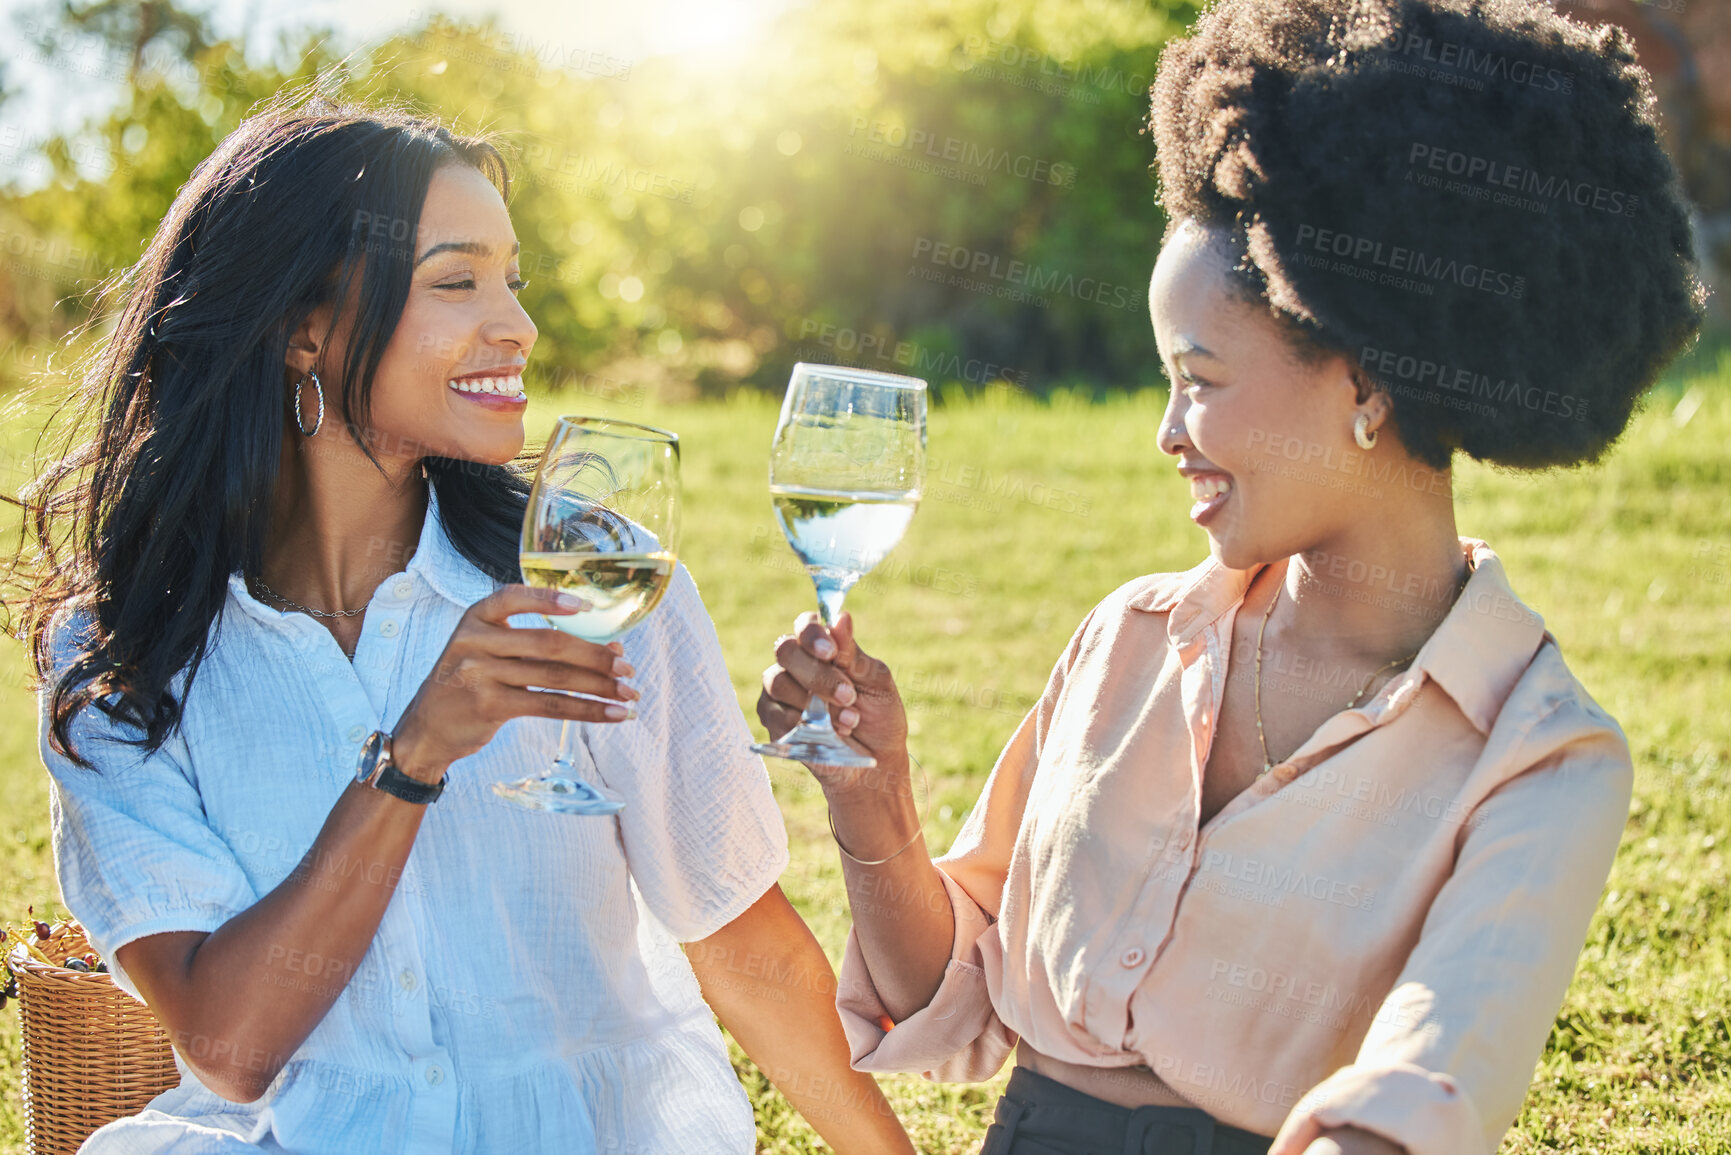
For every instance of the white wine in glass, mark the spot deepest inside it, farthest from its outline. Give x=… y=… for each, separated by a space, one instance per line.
x=621 y=588
x=602 y=523
x=845 y=471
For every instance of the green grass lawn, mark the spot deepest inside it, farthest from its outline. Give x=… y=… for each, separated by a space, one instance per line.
x=1033 y=513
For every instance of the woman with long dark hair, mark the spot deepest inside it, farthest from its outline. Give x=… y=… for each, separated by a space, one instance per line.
x=1297 y=851
x=291 y=548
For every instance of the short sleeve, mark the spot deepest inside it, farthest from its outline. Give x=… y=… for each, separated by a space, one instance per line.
x=703 y=835
x=1449 y=1056
x=958 y=1036
x=133 y=851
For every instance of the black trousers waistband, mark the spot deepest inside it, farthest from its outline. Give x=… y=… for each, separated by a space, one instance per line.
x=1041 y=1116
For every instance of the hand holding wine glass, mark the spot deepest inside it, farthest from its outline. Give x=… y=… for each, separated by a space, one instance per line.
x=859 y=688
x=482 y=679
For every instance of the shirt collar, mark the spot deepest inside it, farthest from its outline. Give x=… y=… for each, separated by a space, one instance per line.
x=1195 y=599
x=1486 y=642
x=435 y=560
x=1476 y=654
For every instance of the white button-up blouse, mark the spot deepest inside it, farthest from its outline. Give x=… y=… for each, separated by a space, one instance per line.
x=525 y=990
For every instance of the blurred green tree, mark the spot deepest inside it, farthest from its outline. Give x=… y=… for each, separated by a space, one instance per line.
x=959 y=190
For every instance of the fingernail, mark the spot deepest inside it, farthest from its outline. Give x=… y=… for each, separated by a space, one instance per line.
x=824 y=648
x=848 y=718
x=616 y=647
x=617 y=713
x=570 y=602
x=623 y=668
x=844 y=693
x=628 y=693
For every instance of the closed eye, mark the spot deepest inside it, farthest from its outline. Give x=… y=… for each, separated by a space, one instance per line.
x=515 y=286
x=1183 y=375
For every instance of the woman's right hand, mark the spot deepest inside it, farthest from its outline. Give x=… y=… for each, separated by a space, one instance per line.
x=865 y=706
x=478 y=683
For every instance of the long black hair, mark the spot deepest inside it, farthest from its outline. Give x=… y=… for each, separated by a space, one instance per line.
x=140 y=526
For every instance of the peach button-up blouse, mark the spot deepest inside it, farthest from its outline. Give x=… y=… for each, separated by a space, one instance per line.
x=1378 y=932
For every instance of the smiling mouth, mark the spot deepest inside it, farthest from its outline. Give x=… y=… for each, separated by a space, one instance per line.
x=503 y=386
x=1208 y=488
x=1210 y=491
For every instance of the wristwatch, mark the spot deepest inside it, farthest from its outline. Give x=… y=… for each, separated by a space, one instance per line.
x=376 y=769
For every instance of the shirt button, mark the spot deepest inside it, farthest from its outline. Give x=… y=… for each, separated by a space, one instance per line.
x=408 y=980
x=388 y=629
x=1133 y=957
x=435 y=1075
x=402 y=588
x=356 y=733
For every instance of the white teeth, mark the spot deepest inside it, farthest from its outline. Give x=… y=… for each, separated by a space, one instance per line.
x=503 y=386
x=1208 y=488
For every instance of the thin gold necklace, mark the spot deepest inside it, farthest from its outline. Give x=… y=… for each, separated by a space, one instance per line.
x=1267 y=762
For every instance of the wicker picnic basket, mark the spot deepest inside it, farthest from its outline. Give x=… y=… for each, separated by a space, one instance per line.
x=92 y=1052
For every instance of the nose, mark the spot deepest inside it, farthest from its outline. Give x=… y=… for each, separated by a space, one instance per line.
x=512 y=326
x=1173 y=438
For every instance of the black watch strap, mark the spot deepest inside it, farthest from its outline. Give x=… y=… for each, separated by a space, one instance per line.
x=394 y=781
x=376 y=769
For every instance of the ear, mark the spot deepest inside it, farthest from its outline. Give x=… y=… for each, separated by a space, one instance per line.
x=1371 y=399
x=306 y=342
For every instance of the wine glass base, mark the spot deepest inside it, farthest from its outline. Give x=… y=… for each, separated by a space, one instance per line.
x=558 y=795
x=815 y=748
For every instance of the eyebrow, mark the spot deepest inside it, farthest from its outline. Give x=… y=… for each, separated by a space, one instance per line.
x=1186 y=347
x=475 y=247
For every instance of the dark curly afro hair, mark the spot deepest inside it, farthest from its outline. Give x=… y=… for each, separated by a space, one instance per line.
x=1468 y=198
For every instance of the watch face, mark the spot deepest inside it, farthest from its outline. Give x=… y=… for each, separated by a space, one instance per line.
x=369 y=756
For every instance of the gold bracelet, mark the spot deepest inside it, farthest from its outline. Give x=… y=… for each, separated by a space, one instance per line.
x=917 y=833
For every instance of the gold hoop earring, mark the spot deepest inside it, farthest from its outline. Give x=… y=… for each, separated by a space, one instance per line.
x=321 y=392
x=1361 y=432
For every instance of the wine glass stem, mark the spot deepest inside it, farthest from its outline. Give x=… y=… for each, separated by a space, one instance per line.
x=565 y=762
x=830 y=603
x=816 y=714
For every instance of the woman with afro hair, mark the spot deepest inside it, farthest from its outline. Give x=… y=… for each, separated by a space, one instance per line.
x=1297 y=851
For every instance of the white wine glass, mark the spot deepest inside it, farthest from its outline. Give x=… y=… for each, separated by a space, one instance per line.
x=603 y=524
x=845 y=472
